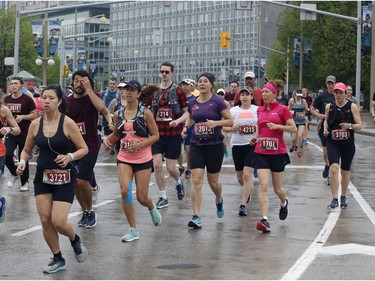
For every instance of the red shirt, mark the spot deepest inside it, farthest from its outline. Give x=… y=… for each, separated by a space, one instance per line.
x=278 y=114
x=163 y=126
x=257 y=96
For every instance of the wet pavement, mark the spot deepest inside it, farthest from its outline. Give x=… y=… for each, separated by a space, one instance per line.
x=312 y=243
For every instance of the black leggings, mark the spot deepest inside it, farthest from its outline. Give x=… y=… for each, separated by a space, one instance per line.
x=11 y=145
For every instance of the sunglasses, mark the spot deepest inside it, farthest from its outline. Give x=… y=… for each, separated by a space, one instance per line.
x=165 y=71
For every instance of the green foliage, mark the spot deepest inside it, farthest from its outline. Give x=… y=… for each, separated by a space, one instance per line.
x=333 y=46
x=27 y=53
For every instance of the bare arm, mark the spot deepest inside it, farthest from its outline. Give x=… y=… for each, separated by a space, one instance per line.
x=13 y=128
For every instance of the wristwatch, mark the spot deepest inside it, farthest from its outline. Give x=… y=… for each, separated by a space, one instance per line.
x=350 y=126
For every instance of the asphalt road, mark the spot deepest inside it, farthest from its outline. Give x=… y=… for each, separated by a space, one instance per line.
x=312 y=243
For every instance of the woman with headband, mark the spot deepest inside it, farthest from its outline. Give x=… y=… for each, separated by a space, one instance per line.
x=208 y=114
x=271 y=154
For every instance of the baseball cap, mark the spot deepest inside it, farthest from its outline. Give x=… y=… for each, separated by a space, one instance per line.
x=135 y=85
x=249 y=74
x=221 y=90
x=187 y=81
x=121 y=85
x=331 y=78
x=340 y=86
x=298 y=93
x=249 y=91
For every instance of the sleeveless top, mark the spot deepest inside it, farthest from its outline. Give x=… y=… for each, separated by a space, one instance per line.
x=298 y=109
x=337 y=115
x=51 y=147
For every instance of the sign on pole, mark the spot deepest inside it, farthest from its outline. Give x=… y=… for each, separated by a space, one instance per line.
x=9 y=61
x=307 y=15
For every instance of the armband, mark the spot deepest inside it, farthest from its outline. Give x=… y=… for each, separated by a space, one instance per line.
x=23 y=162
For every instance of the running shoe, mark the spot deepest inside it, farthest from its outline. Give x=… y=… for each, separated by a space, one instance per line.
x=195 y=222
x=3 y=208
x=91 y=219
x=325 y=171
x=95 y=193
x=220 y=210
x=54 y=266
x=343 y=203
x=327 y=181
x=155 y=216
x=162 y=203
x=334 y=204
x=299 y=154
x=83 y=220
x=133 y=234
x=180 y=190
x=80 y=250
x=283 y=213
x=304 y=142
x=12 y=180
x=291 y=149
x=25 y=187
x=264 y=226
x=181 y=170
x=242 y=211
x=188 y=174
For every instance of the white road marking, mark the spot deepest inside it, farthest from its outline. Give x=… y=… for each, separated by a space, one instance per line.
x=347 y=249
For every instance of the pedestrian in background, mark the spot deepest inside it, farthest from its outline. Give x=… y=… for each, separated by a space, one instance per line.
x=136 y=130
x=270 y=151
x=244 y=115
x=23 y=110
x=208 y=113
x=55 y=133
x=318 y=110
x=342 y=119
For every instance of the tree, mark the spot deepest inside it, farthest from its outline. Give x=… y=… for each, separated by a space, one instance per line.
x=333 y=46
x=27 y=53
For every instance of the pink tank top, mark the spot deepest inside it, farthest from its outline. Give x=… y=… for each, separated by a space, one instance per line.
x=138 y=157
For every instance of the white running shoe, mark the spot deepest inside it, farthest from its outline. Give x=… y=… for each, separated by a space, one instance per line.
x=25 y=187
x=12 y=180
x=95 y=193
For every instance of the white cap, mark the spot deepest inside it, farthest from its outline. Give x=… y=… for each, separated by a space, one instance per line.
x=249 y=74
x=121 y=85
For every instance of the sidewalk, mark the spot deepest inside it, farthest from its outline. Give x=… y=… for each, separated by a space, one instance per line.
x=368 y=126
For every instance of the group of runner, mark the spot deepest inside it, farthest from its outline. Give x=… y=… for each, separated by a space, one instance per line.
x=147 y=132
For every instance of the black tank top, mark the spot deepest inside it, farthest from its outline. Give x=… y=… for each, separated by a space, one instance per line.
x=57 y=144
x=337 y=115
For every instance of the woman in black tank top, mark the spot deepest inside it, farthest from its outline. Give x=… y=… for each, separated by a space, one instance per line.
x=341 y=120
x=55 y=133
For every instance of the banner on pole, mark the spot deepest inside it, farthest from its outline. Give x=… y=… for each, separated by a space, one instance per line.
x=366 y=26
x=54 y=35
x=37 y=29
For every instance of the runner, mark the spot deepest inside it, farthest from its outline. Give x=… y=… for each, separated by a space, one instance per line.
x=244 y=116
x=299 y=108
x=270 y=151
x=342 y=118
x=208 y=114
x=55 y=133
x=137 y=131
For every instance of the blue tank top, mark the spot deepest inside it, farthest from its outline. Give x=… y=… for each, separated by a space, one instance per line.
x=49 y=149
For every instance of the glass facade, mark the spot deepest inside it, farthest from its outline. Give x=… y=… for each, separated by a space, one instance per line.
x=187 y=33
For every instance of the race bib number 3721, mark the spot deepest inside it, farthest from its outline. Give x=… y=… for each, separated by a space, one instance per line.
x=56 y=177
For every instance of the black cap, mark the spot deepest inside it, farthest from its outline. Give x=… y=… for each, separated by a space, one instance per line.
x=134 y=84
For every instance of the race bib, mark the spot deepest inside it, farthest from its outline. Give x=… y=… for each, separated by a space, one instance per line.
x=300 y=115
x=269 y=143
x=340 y=134
x=247 y=129
x=82 y=128
x=203 y=129
x=125 y=143
x=164 y=114
x=56 y=177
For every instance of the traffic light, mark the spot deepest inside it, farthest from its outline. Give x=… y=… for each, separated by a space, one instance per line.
x=65 y=70
x=224 y=39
